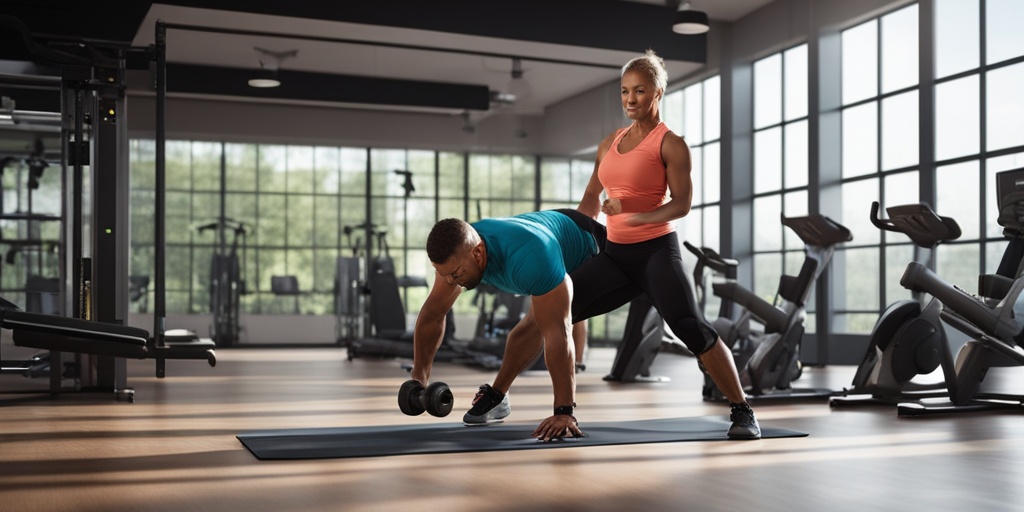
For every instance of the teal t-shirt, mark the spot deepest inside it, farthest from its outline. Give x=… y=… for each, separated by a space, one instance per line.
x=530 y=254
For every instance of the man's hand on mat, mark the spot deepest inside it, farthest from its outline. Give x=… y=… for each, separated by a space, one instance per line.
x=557 y=427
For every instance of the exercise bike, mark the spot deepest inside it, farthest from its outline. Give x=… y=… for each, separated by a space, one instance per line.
x=991 y=319
x=908 y=339
x=768 y=360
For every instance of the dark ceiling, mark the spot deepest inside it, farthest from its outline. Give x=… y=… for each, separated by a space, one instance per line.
x=549 y=33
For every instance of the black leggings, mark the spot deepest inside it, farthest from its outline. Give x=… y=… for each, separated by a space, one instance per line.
x=653 y=267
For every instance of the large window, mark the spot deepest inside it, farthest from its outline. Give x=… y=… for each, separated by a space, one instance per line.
x=780 y=168
x=694 y=112
x=879 y=162
x=301 y=207
x=979 y=125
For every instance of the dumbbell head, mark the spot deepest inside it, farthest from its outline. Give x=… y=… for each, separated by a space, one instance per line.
x=438 y=399
x=409 y=400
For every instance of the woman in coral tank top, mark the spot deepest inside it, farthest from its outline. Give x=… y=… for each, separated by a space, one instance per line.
x=636 y=166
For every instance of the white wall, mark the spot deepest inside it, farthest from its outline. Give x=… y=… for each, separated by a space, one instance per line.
x=203 y=119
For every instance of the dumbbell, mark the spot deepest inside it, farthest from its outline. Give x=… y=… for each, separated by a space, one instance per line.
x=436 y=399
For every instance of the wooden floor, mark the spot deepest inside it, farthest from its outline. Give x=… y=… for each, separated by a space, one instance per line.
x=174 y=449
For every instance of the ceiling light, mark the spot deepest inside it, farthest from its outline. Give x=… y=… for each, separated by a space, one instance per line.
x=690 y=22
x=266 y=75
x=264 y=78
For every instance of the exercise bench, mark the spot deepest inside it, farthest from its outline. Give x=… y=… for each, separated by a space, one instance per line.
x=63 y=334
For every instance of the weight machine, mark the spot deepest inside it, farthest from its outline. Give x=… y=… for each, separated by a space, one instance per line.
x=227 y=279
x=94 y=275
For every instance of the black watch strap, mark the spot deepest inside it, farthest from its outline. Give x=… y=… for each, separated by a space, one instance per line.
x=564 y=410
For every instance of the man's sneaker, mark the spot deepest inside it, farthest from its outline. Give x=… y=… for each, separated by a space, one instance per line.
x=744 y=424
x=489 y=406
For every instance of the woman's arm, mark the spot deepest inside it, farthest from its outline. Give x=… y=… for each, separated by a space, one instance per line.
x=590 y=204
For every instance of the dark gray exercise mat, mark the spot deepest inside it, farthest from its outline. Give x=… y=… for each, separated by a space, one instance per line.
x=341 y=442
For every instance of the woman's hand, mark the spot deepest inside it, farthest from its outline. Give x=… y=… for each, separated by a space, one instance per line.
x=611 y=206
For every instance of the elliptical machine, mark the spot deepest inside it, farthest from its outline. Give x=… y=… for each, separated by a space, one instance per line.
x=908 y=339
x=769 y=361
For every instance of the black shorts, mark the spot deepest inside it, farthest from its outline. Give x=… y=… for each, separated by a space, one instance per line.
x=595 y=228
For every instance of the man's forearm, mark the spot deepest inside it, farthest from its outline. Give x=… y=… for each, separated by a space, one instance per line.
x=560 y=360
x=427 y=337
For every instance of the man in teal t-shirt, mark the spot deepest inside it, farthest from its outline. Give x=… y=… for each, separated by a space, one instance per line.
x=528 y=254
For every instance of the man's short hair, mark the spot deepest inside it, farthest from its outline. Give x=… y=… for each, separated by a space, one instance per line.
x=445 y=238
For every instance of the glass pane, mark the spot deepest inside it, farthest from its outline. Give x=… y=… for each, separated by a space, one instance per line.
x=796 y=154
x=353 y=171
x=325 y=221
x=860 y=140
x=994 y=255
x=383 y=178
x=272 y=227
x=900 y=131
x=861 y=278
x=712 y=226
x=696 y=176
x=452 y=175
x=712 y=108
x=957 y=124
x=767 y=223
x=857 y=198
x=420 y=220
x=689 y=228
x=902 y=188
x=768 y=160
x=694 y=111
x=178 y=219
x=860 y=62
x=796 y=82
x=957 y=36
x=899 y=49
x=240 y=166
x=327 y=169
x=178 y=165
x=272 y=168
x=300 y=220
x=421 y=164
x=897 y=257
x=795 y=206
x=957 y=191
x=555 y=179
x=1005 y=40
x=206 y=165
x=792 y=262
x=1005 y=122
x=767 y=271
x=959 y=265
x=300 y=169
x=712 y=173
x=524 y=177
x=672 y=111
x=205 y=206
x=582 y=170
x=241 y=207
x=768 y=91
x=143 y=164
x=451 y=209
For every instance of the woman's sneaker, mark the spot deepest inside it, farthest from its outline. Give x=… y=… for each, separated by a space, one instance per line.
x=744 y=424
x=489 y=406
